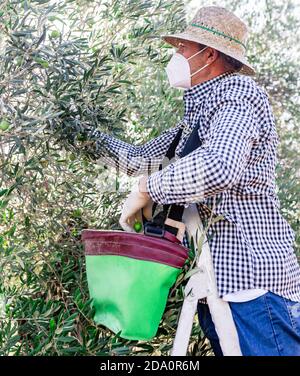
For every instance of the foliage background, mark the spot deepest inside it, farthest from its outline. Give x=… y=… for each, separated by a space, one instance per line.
x=67 y=64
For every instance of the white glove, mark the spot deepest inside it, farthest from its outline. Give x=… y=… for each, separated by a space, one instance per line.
x=135 y=202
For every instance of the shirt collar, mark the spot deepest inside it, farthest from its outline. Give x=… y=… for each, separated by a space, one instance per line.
x=198 y=92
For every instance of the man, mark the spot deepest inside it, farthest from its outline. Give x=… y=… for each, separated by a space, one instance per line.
x=252 y=247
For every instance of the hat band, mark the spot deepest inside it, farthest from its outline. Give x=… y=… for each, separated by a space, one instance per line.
x=219 y=33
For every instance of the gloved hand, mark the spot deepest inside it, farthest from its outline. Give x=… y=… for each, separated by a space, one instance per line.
x=135 y=202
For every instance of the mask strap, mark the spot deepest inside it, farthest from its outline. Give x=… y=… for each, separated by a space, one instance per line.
x=199 y=70
x=197 y=53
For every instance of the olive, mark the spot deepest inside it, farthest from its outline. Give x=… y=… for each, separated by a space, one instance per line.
x=137 y=226
x=55 y=34
x=4 y=125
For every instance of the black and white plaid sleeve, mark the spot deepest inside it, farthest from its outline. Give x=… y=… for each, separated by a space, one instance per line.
x=217 y=164
x=132 y=160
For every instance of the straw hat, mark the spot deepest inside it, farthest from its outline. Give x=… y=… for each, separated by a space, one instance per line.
x=220 y=29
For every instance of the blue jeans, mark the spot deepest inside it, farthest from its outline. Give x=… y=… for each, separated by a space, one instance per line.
x=268 y=325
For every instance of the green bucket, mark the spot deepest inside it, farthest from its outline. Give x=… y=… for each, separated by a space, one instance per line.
x=129 y=278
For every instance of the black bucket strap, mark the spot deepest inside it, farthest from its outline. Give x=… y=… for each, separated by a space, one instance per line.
x=174 y=211
x=169 y=154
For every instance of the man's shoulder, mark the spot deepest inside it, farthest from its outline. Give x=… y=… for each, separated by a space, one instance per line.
x=238 y=86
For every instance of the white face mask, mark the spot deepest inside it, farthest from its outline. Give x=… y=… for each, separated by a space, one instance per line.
x=179 y=72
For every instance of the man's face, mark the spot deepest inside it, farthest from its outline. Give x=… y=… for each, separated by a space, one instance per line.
x=188 y=49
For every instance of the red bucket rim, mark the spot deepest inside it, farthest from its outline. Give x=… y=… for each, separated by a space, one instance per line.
x=134 y=245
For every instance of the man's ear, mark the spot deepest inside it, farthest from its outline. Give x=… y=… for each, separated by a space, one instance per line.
x=213 y=55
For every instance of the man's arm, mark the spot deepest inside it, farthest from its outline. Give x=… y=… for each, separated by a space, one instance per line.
x=132 y=160
x=212 y=168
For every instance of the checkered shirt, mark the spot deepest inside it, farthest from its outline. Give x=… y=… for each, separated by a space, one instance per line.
x=231 y=174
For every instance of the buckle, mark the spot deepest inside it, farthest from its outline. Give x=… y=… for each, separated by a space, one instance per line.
x=153 y=230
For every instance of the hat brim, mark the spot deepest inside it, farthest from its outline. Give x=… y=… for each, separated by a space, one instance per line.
x=174 y=39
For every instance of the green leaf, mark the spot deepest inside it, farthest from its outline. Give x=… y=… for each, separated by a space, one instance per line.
x=44 y=63
x=52 y=325
x=66 y=339
x=3 y=192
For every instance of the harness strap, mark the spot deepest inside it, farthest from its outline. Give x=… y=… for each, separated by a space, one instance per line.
x=173 y=211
